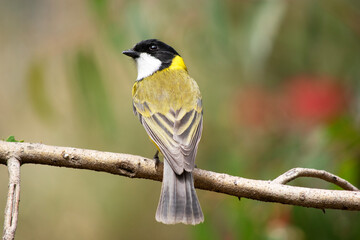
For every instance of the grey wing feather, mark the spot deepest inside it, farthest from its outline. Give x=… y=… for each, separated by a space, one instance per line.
x=178 y=147
x=189 y=148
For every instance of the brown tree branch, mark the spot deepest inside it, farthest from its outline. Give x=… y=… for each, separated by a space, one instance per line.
x=13 y=199
x=140 y=167
x=308 y=172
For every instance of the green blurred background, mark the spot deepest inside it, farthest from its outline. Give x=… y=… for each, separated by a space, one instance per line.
x=280 y=85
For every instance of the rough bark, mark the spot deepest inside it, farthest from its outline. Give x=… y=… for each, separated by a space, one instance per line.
x=139 y=167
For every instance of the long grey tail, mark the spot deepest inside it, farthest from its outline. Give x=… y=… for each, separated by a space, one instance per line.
x=178 y=201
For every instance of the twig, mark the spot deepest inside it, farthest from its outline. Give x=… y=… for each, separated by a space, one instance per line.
x=308 y=172
x=13 y=199
x=140 y=167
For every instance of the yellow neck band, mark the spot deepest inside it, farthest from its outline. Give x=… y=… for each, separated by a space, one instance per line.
x=177 y=63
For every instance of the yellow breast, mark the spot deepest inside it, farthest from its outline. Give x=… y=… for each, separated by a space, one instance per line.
x=169 y=89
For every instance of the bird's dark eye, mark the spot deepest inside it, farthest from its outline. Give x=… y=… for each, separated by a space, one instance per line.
x=153 y=47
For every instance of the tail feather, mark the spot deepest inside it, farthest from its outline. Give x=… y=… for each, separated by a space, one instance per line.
x=178 y=200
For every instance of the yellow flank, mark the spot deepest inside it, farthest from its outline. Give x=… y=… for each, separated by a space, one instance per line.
x=155 y=144
x=166 y=90
x=177 y=63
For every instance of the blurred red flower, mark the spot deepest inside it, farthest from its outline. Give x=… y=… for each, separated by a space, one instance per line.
x=314 y=100
x=301 y=101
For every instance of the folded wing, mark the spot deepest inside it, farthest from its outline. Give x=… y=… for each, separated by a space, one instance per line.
x=176 y=133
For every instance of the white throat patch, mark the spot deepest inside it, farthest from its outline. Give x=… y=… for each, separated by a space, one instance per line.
x=146 y=65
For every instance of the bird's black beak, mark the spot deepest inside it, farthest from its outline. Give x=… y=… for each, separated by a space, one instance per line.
x=131 y=53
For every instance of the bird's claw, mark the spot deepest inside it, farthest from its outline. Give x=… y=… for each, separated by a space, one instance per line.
x=157 y=160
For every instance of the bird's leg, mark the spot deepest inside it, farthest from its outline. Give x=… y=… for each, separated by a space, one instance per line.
x=157 y=160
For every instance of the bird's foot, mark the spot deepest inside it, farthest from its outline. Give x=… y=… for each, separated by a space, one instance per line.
x=157 y=160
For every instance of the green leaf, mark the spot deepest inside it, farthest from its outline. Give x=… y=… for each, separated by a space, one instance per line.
x=12 y=139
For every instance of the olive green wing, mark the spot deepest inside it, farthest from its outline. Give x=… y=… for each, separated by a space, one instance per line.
x=176 y=133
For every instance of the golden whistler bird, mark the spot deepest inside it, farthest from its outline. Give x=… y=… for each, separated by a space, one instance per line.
x=168 y=103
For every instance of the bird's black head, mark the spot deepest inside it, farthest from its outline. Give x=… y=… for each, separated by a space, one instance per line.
x=151 y=55
x=155 y=48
